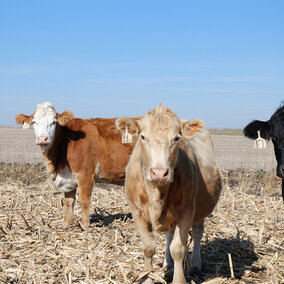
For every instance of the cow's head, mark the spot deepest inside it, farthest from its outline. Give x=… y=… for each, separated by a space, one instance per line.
x=45 y=121
x=272 y=129
x=159 y=134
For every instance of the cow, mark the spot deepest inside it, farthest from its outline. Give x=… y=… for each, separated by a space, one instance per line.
x=271 y=129
x=78 y=152
x=172 y=183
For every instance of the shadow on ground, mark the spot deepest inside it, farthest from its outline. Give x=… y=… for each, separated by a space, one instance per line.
x=215 y=263
x=103 y=218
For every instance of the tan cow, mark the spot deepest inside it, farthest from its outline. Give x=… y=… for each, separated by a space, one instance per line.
x=172 y=184
x=78 y=152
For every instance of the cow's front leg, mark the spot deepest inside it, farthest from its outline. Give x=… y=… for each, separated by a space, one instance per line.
x=168 y=261
x=70 y=201
x=149 y=245
x=178 y=243
x=85 y=184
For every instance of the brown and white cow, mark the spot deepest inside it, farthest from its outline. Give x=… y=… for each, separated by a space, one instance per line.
x=78 y=152
x=172 y=183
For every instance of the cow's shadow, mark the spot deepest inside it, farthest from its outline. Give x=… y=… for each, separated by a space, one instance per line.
x=215 y=259
x=102 y=218
x=214 y=254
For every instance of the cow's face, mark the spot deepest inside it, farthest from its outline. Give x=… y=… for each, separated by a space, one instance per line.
x=159 y=140
x=159 y=134
x=272 y=129
x=45 y=121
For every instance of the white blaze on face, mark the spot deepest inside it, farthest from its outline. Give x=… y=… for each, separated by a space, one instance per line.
x=44 y=122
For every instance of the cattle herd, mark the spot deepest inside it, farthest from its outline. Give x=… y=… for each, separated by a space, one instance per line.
x=167 y=166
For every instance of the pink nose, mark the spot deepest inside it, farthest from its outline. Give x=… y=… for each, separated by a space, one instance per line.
x=159 y=174
x=42 y=140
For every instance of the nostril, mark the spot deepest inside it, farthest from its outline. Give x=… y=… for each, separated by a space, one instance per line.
x=42 y=139
x=159 y=173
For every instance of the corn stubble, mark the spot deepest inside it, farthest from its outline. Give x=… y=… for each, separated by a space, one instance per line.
x=243 y=240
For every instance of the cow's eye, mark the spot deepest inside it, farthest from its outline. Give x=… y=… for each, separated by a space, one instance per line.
x=176 y=139
x=54 y=122
x=142 y=137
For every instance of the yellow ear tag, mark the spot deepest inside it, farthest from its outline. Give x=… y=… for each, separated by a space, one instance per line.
x=259 y=143
x=126 y=137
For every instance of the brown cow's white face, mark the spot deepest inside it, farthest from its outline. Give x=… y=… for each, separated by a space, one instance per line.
x=44 y=122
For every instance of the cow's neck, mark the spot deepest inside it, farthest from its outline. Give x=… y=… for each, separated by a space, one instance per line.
x=158 y=196
x=53 y=153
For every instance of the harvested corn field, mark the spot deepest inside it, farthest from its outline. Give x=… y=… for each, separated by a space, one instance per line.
x=248 y=224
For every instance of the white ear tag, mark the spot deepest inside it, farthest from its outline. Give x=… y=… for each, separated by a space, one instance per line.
x=259 y=143
x=126 y=137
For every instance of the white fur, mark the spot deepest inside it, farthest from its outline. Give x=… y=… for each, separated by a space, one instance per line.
x=65 y=181
x=44 y=122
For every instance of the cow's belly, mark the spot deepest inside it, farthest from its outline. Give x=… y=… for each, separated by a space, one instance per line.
x=65 y=181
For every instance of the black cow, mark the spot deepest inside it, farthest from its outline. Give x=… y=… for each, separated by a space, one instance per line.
x=271 y=129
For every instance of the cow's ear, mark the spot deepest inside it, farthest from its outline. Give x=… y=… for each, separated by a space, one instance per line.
x=189 y=128
x=128 y=124
x=21 y=119
x=64 y=117
x=251 y=129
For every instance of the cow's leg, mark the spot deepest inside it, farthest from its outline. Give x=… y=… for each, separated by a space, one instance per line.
x=70 y=201
x=195 y=259
x=283 y=189
x=168 y=262
x=85 y=184
x=148 y=241
x=178 y=244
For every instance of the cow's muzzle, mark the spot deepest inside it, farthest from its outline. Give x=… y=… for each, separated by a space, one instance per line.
x=42 y=140
x=159 y=174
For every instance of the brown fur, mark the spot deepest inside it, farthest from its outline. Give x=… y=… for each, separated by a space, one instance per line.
x=64 y=117
x=92 y=150
x=21 y=118
x=175 y=206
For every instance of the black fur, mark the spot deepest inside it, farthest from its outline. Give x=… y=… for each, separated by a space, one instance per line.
x=251 y=129
x=272 y=129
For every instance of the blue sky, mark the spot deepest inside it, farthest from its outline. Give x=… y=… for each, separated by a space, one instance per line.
x=220 y=61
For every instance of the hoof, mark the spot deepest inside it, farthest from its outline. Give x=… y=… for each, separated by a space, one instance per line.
x=84 y=226
x=66 y=225
x=169 y=273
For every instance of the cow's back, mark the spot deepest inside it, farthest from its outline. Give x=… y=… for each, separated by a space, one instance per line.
x=209 y=175
x=98 y=150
